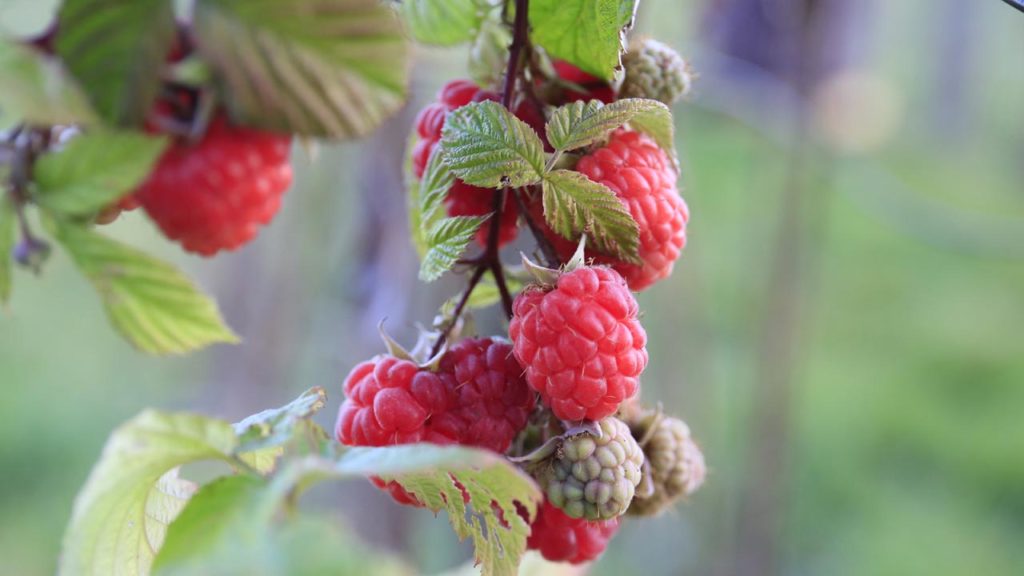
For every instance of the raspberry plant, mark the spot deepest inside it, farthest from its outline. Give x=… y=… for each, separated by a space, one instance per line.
x=560 y=147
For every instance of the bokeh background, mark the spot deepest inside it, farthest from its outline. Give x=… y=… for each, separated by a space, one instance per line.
x=844 y=333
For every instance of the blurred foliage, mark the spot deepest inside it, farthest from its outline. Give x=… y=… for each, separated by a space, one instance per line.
x=906 y=433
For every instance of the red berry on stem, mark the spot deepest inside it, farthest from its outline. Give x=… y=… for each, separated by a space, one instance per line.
x=215 y=194
x=580 y=342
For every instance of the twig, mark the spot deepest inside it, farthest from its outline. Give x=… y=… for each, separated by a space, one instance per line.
x=478 y=273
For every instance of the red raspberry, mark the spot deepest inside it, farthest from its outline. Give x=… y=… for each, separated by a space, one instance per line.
x=642 y=175
x=477 y=397
x=214 y=195
x=493 y=400
x=596 y=89
x=466 y=200
x=581 y=343
x=560 y=538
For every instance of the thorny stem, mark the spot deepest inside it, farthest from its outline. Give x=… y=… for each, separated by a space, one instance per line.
x=26 y=148
x=490 y=260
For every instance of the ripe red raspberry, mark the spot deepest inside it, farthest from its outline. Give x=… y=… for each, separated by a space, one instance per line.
x=560 y=538
x=477 y=397
x=642 y=175
x=596 y=89
x=580 y=342
x=493 y=401
x=215 y=194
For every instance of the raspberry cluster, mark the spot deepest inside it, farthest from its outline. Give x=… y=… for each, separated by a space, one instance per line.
x=559 y=396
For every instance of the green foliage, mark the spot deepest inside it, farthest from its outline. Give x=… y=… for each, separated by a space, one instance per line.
x=121 y=515
x=574 y=205
x=332 y=68
x=589 y=34
x=486 y=145
x=581 y=124
x=445 y=243
x=37 y=90
x=116 y=50
x=275 y=426
x=8 y=223
x=489 y=52
x=655 y=120
x=152 y=304
x=442 y=22
x=472 y=497
x=94 y=170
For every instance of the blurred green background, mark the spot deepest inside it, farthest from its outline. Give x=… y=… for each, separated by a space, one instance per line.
x=843 y=334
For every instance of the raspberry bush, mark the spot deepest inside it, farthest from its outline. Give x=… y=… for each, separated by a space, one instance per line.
x=548 y=180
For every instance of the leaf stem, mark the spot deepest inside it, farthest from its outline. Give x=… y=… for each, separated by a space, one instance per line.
x=546 y=248
x=478 y=273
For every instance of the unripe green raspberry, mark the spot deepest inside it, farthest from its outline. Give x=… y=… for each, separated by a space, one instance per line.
x=594 y=478
x=654 y=70
x=675 y=464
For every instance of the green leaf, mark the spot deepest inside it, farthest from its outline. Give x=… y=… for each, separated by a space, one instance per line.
x=151 y=303
x=117 y=50
x=324 y=68
x=589 y=34
x=446 y=242
x=8 y=224
x=574 y=205
x=228 y=529
x=38 y=90
x=120 y=517
x=436 y=182
x=412 y=189
x=275 y=426
x=499 y=541
x=442 y=22
x=583 y=123
x=485 y=145
x=94 y=170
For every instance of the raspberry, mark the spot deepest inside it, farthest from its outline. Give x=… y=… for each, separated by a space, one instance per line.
x=580 y=342
x=466 y=200
x=477 y=397
x=214 y=195
x=594 y=477
x=596 y=89
x=675 y=464
x=654 y=70
x=560 y=538
x=493 y=401
x=642 y=176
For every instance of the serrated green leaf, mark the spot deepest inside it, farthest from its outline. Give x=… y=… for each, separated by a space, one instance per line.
x=275 y=426
x=446 y=242
x=442 y=22
x=324 y=68
x=120 y=517
x=152 y=304
x=574 y=205
x=437 y=181
x=486 y=145
x=8 y=224
x=412 y=189
x=38 y=90
x=94 y=170
x=583 y=123
x=117 y=51
x=472 y=496
x=589 y=34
